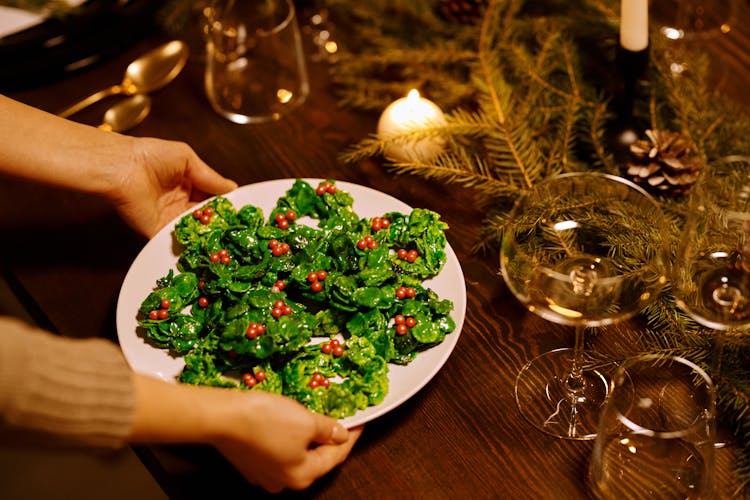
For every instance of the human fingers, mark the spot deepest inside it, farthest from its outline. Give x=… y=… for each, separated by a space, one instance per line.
x=207 y=180
x=325 y=457
x=328 y=430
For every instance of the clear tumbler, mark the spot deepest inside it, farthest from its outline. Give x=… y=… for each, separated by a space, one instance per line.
x=255 y=63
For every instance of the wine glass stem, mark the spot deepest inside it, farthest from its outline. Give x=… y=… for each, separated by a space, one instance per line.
x=575 y=381
x=717 y=352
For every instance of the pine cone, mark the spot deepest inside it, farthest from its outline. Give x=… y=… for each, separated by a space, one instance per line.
x=463 y=11
x=663 y=163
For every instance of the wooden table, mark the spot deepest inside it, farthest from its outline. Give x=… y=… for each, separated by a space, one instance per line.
x=67 y=254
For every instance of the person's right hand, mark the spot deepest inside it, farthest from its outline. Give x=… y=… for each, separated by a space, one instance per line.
x=277 y=443
x=272 y=440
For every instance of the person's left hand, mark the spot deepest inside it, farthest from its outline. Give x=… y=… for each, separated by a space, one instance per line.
x=164 y=179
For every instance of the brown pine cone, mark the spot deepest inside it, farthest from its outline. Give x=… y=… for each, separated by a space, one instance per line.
x=663 y=163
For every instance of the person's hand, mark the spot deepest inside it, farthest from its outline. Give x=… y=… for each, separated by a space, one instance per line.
x=284 y=445
x=164 y=179
x=272 y=440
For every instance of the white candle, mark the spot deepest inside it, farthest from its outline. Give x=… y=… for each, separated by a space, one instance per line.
x=634 y=25
x=408 y=114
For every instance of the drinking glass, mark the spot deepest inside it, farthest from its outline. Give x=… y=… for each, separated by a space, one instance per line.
x=711 y=280
x=583 y=249
x=255 y=63
x=657 y=431
x=695 y=19
x=690 y=24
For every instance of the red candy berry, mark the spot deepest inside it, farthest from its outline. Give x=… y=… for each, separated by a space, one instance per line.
x=379 y=223
x=278 y=248
x=407 y=255
x=403 y=323
x=367 y=242
x=204 y=215
x=255 y=329
x=318 y=380
x=284 y=218
x=315 y=278
x=280 y=308
x=325 y=187
x=403 y=292
x=249 y=380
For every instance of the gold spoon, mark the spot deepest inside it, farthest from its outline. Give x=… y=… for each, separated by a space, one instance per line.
x=127 y=113
x=152 y=71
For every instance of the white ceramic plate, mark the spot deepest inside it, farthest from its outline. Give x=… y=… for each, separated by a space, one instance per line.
x=13 y=20
x=161 y=253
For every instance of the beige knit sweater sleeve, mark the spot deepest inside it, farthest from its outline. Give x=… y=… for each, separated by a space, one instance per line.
x=62 y=391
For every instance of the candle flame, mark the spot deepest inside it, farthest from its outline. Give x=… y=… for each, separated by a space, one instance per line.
x=413 y=96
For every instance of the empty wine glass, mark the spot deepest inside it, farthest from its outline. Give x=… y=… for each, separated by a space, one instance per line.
x=711 y=278
x=583 y=249
x=690 y=24
x=657 y=432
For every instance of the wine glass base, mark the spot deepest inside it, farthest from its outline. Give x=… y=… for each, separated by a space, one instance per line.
x=545 y=402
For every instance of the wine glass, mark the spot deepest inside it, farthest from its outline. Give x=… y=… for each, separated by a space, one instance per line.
x=711 y=281
x=688 y=24
x=584 y=249
x=657 y=432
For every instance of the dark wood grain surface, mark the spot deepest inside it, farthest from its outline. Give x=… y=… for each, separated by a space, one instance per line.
x=461 y=436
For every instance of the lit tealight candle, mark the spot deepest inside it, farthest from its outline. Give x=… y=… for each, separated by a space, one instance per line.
x=408 y=114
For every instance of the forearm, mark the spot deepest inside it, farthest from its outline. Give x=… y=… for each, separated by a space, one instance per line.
x=44 y=148
x=166 y=412
x=62 y=390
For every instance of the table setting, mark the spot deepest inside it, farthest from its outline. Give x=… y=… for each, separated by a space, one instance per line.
x=570 y=322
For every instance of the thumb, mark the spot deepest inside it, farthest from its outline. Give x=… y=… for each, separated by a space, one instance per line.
x=328 y=430
x=208 y=180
